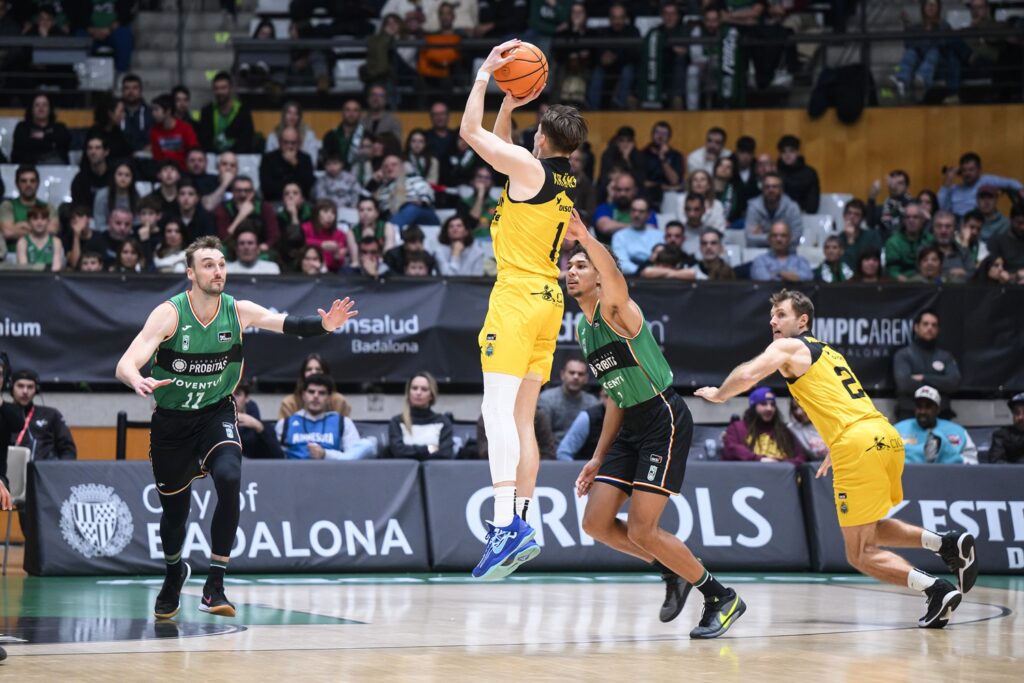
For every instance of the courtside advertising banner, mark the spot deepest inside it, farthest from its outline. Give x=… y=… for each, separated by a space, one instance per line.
x=74 y=328
x=985 y=500
x=92 y=517
x=731 y=515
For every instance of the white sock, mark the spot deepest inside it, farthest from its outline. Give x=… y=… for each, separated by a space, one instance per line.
x=504 y=505
x=931 y=540
x=522 y=504
x=919 y=581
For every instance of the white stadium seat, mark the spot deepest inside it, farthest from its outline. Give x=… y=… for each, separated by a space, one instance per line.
x=814 y=255
x=249 y=165
x=833 y=203
x=7 y=124
x=670 y=204
x=751 y=253
x=817 y=226
x=7 y=173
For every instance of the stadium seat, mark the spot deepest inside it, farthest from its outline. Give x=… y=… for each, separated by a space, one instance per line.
x=271 y=7
x=348 y=216
x=670 y=204
x=733 y=254
x=7 y=124
x=377 y=430
x=444 y=214
x=737 y=237
x=249 y=165
x=832 y=204
x=751 y=253
x=346 y=75
x=7 y=173
x=814 y=255
x=55 y=183
x=143 y=187
x=663 y=220
x=430 y=237
x=211 y=163
x=817 y=226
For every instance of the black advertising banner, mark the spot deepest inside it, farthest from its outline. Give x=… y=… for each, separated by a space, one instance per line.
x=985 y=500
x=94 y=517
x=75 y=328
x=732 y=515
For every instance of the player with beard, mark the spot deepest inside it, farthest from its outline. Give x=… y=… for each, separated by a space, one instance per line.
x=645 y=437
x=865 y=452
x=194 y=342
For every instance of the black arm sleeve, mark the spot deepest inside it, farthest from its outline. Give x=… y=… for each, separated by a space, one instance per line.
x=304 y=326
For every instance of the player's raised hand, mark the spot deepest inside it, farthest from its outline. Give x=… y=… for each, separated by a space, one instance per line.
x=513 y=102
x=709 y=394
x=577 y=228
x=824 y=467
x=586 y=478
x=340 y=313
x=498 y=58
x=144 y=386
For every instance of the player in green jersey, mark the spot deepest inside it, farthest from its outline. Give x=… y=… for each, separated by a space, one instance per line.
x=194 y=343
x=646 y=434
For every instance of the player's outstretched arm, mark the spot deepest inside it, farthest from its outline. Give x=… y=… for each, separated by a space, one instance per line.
x=159 y=327
x=614 y=288
x=506 y=158
x=748 y=374
x=253 y=315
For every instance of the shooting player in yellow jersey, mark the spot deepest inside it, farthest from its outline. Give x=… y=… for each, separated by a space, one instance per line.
x=866 y=455
x=524 y=313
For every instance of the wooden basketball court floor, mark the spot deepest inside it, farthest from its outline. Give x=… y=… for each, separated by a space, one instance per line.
x=528 y=628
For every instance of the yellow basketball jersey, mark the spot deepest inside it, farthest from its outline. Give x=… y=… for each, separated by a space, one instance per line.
x=830 y=393
x=528 y=235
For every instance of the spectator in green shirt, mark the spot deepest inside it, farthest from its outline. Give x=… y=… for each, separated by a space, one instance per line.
x=901 y=249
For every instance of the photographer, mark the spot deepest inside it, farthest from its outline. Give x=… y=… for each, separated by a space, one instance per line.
x=963 y=197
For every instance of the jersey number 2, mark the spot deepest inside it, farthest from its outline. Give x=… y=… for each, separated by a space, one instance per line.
x=554 y=245
x=850 y=382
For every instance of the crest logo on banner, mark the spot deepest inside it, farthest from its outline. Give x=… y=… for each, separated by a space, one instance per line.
x=95 y=521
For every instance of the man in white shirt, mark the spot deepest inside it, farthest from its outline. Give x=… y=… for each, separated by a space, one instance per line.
x=704 y=158
x=247 y=251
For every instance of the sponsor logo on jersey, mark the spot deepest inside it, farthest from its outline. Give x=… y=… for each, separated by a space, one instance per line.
x=656 y=459
x=179 y=364
x=652 y=473
x=229 y=429
x=563 y=179
x=185 y=342
x=549 y=294
x=223 y=337
x=492 y=337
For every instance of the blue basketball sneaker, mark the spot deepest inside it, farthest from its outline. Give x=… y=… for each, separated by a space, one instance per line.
x=507 y=548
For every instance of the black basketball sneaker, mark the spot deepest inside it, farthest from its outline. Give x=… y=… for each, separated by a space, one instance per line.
x=719 y=616
x=215 y=602
x=943 y=598
x=168 y=600
x=958 y=553
x=676 y=591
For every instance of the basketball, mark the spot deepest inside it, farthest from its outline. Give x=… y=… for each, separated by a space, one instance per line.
x=527 y=72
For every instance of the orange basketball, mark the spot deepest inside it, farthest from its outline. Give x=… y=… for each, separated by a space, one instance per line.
x=527 y=72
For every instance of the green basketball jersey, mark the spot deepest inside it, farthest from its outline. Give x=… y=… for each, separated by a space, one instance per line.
x=42 y=254
x=630 y=370
x=204 y=362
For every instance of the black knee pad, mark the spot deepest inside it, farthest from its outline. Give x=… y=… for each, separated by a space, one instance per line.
x=225 y=465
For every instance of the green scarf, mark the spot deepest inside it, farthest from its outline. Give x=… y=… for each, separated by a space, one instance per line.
x=732 y=84
x=650 y=75
x=221 y=124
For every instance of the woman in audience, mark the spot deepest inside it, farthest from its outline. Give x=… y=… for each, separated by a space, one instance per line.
x=322 y=231
x=458 y=254
x=256 y=75
x=313 y=364
x=419 y=433
x=760 y=435
x=291 y=116
x=725 y=189
x=312 y=261
x=929 y=266
x=119 y=194
x=295 y=211
x=418 y=159
x=40 y=138
x=169 y=256
x=129 y=258
x=714 y=213
x=108 y=115
x=869 y=267
x=992 y=271
x=929 y=202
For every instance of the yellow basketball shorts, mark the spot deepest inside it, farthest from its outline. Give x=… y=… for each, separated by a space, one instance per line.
x=867 y=466
x=524 y=317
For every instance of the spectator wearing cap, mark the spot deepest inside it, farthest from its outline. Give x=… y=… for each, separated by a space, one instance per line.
x=1010 y=245
x=961 y=198
x=39 y=428
x=929 y=439
x=995 y=223
x=799 y=181
x=921 y=363
x=1008 y=442
x=761 y=435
